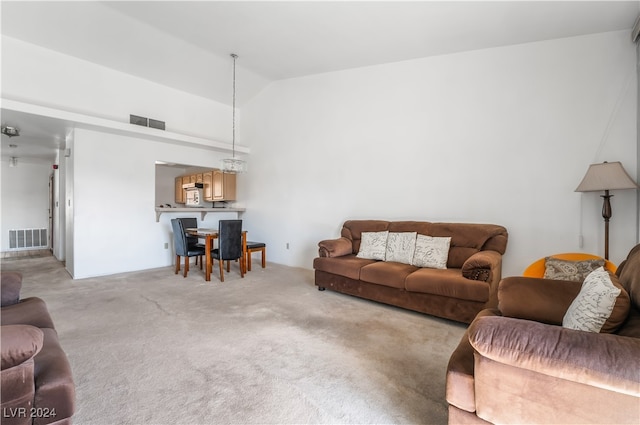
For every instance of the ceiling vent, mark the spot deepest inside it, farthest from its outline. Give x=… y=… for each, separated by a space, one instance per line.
x=10 y=131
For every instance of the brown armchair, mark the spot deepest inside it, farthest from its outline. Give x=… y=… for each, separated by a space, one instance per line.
x=517 y=364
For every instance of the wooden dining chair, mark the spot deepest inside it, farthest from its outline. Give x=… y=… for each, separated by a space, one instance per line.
x=256 y=247
x=182 y=247
x=229 y=245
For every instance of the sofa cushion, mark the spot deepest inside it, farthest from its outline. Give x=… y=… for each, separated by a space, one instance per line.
x=29 y=311
x=431 y=252
x=347 y=266
x=469 y=238
x=352 y=230
x=10 y=285
x=387 y=273
x=373 y=245
x=596 y=304
x=19 y=343
x=400 y=247
x=577 y=271
x=629 y=273
x=448 y=283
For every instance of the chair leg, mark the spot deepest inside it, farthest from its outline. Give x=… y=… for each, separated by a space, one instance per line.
x=177 y=264
x=221 y=270
x=249 y=260
x=228 y=266
x=186 y=266
x=242 y=267
x=264 y=257
x=199 y=256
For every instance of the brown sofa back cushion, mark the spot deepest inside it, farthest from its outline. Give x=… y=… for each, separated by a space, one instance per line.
x=466 y=238
x=10 y=285
x=629 y=274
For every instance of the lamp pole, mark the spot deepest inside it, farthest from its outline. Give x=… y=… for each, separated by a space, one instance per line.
x=606 y=214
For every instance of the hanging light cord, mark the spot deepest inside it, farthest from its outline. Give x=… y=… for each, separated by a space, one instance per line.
x=233 y=132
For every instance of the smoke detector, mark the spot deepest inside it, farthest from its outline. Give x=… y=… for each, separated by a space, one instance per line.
x=10 y=131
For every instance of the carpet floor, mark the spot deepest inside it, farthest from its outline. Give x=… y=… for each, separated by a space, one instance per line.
x=152 y=347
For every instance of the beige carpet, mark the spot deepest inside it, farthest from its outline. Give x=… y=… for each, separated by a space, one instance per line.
x=153 y=347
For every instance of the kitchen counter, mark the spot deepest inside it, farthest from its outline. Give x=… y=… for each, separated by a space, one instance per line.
x=202 y=211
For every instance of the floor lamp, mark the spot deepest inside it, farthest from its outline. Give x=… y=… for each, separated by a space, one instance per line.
x=606 y=176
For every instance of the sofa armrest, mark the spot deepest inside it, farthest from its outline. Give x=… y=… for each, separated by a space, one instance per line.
x=335 y=247
x=538 y=299
x=483 y=265
x=606 y=361
x=19 y=343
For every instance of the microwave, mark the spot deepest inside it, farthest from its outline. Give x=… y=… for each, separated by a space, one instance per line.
x=193 y=195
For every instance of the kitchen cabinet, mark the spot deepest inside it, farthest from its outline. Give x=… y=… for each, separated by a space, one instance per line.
x=179 y=191
x=207 y=182
x=223 y=187
x=217 y=186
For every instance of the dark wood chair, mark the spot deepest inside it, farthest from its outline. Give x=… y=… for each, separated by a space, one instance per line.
x=256 y=247
x=229 y=245
x=182 y=247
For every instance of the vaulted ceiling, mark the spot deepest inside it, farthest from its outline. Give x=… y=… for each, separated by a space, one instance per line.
x=186 y=44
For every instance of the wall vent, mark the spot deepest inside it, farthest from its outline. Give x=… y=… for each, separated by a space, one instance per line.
x=28 y=239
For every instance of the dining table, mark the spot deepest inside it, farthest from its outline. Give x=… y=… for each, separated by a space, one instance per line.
x=210 y=235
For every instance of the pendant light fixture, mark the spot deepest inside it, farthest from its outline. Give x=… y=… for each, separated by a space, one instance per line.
x=234 y=165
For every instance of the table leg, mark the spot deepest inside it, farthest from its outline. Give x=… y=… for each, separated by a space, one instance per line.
x=207 y=253
x=243 y=261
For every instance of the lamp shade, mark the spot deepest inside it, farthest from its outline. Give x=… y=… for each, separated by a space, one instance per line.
x=606 y=176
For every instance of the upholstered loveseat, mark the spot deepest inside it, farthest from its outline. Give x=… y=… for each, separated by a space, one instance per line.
x=457 y=292
x=37 y=384
x=521 y=363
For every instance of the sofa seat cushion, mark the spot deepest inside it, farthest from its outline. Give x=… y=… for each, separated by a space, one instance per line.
x=387 y=273
x=29 y=311
x=448 y=283
x=347 y=265
x=53 y=379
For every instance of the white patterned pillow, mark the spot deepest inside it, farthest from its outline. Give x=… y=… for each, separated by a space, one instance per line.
x=594 y=304
x=400 y=247
x=373 y=245
x=431 y=252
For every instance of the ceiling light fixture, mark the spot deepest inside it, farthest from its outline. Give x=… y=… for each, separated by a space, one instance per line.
x=13 y=162
x=10 y=131
x=234 y=165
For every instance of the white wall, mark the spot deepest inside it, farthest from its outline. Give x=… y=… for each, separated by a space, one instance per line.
x=25 y=198
x=114 y=221
x=37 y=75
x=500 y=135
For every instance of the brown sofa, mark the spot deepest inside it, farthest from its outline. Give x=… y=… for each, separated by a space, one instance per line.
x=517 y=364
x=459 y=292
x=37 y=384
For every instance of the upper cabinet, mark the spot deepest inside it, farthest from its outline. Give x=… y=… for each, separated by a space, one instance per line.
x=224 y=186
x=179 y=191
x=217 y=186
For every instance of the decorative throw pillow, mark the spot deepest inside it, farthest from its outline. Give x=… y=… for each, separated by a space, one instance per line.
x=594 y=304
x=577 y=271
x=400 y=247
x=373 y=245
x=431 y=252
